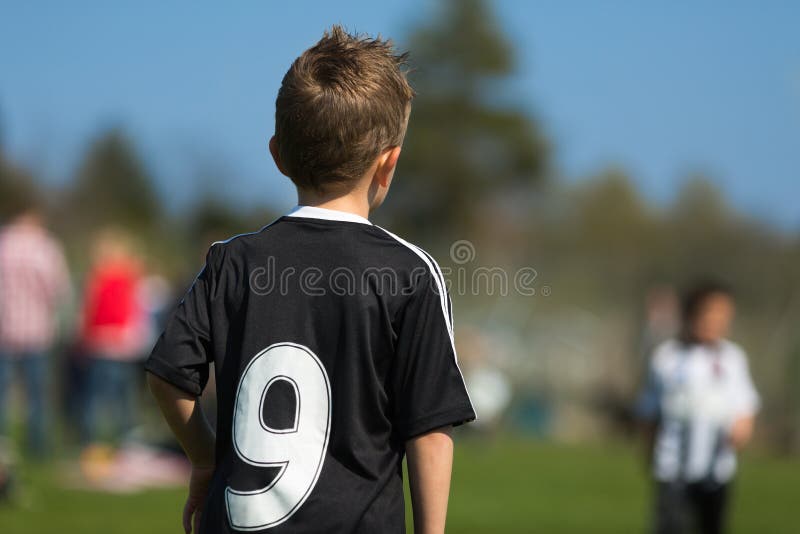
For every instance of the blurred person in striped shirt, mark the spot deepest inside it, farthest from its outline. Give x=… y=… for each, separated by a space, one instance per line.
x=699 y=407
x=34 y=281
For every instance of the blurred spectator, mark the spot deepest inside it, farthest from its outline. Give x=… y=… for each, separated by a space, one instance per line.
x=33 y=282
x=700 y=404
x=114 y=334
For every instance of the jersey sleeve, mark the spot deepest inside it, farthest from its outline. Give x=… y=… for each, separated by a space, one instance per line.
x=182 y=353
x=747 y=400
x=427 y=387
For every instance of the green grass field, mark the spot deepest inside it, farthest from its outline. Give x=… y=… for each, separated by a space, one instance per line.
x=508 y=486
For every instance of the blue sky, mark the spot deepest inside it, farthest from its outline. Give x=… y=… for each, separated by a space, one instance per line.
x=662 y=90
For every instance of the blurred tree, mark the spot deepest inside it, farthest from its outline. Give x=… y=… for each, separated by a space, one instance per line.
x=212 y=219
x=611 y=219
x=463 y=144
x=18 y=189
x=704 y=235
x=701 y=203
x=112 y=187
x=599 y=239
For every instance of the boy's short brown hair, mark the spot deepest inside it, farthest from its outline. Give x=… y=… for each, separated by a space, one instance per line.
x=341 y=103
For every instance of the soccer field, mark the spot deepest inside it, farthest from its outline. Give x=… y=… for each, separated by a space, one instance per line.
x=508 y=486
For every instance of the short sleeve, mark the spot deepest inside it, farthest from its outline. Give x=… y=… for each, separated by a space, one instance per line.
x=427 y=387
x=648 y=405
x=182 y=353
x=747 y=400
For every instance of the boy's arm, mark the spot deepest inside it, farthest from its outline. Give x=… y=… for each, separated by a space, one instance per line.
x=742 y=431
x=189 y=424
x=430 y=462
x=186 y=419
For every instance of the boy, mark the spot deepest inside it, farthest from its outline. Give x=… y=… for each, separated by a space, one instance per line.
x=700 y=404
x=331 y=338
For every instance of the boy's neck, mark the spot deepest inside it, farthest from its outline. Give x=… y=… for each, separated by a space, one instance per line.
x=352 y=202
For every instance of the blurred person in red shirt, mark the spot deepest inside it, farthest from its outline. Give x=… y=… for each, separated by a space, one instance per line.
x=34 y=281
x=114 y=333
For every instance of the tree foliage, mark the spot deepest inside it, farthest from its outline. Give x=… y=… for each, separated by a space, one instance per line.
x=18 y=190
x=113 y=187
x=462 y=145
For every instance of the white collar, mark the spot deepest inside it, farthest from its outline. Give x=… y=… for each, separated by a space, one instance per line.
x=313 y=212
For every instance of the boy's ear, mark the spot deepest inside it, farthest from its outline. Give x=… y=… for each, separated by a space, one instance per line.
x=386 y=165
x=276 y=156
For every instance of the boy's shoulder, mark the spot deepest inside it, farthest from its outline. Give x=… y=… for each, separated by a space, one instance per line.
x=372 y=244
x=413 y=254
x=666 y=354
x=733 y=351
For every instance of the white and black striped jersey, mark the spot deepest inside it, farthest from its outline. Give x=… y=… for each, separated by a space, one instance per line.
x=333 y=344
x=696 y=392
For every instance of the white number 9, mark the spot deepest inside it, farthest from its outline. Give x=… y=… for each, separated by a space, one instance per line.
x=299 y=451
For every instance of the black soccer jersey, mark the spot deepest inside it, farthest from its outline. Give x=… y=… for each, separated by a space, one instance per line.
x=332 y=343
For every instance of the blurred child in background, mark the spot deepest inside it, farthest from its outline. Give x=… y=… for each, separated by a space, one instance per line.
x=114 y=334
x=699 y=404
x=34 y=281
